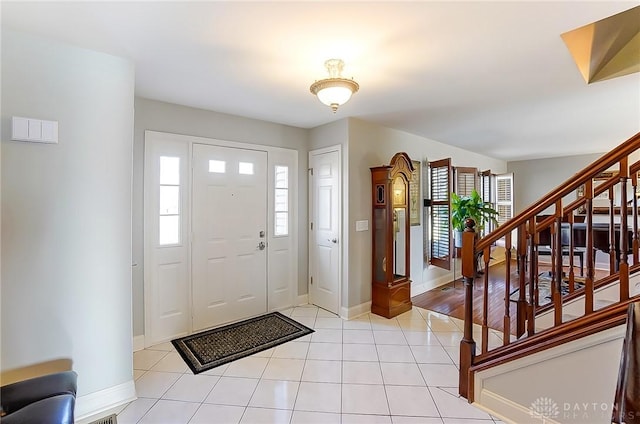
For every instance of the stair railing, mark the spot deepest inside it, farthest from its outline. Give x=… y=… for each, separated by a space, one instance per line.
x=592 y=207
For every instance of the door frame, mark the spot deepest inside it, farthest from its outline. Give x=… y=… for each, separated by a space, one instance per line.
x=341 y=236
x=275 y=156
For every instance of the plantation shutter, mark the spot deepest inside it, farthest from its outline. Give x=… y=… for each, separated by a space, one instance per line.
x=504 y=197
x=441 y=183
x=487 y=193
x=466 y=179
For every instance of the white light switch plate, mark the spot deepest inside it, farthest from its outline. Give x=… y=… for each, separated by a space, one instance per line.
x=362 y=225
x=34 y=130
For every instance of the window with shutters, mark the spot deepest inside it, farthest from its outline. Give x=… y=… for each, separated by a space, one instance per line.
x=504 y=197
x=466 y=179
x=441 y=187
x=487 y=192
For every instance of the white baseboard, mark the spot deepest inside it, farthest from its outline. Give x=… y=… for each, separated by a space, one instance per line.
x=303 y=299
x=101 y=403
x=355 y=311
x=138 y=343
x=507 y=410
x=432 y=284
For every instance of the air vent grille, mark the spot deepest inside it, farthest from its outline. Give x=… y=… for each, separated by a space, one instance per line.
x=111 y=419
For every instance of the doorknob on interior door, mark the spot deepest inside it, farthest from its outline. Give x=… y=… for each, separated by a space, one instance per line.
x=334 y=240
x=261 y=245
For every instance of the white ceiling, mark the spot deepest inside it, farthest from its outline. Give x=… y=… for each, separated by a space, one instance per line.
x=490 y=77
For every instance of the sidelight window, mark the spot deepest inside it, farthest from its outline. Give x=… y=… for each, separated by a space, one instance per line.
x=281 y=203
x=169 y=201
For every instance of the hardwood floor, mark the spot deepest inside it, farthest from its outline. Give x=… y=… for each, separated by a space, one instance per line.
x=449 y=298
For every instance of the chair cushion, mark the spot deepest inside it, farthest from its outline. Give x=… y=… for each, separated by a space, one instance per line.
x=18 y=395
x=52 y=410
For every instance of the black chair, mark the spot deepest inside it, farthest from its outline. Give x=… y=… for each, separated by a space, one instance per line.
x=544 y=246
x=49 y=399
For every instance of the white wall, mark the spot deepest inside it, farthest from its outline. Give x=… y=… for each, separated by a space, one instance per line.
x=578 y=377
x=171 y=118
x=66 y=213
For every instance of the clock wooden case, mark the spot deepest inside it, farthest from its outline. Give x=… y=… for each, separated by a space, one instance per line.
x=391 y=286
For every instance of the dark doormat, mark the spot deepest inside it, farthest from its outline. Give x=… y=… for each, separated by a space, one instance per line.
x=212 y=348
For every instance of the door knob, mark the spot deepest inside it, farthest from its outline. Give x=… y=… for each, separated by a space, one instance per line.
x=335 y=240
x=261 y=245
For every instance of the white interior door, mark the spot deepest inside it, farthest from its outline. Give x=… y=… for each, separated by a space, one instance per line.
x=166 y=221
x=324 y=236
x=229 y=224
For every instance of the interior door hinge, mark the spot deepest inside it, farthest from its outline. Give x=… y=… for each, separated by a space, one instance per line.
x=311 y=171
x=312 y=226
x=311 y=280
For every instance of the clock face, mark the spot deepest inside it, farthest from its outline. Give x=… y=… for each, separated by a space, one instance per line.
x=399 y=191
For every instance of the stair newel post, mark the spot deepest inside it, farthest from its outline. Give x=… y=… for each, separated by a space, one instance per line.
x=623 y=266
x=506 y=323
x=521 y=305
x=467 y=344
x=556 y=267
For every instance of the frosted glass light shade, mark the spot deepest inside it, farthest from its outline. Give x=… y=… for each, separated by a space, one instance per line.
x=334 y=91
x=334 y=95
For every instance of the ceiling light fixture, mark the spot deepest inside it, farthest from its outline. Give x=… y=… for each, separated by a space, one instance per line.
x=335 y=90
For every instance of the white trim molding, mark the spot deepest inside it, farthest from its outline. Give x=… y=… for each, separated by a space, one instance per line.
x=355 y=311
x=102 y=402
x=138 y=343
x=303 y=299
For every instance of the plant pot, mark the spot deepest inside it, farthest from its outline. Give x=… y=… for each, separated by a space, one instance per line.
x=457 y=238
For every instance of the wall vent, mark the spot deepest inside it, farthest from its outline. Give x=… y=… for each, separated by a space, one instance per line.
x=111 y=419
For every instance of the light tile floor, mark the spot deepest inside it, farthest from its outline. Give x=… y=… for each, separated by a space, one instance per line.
x=367 y=370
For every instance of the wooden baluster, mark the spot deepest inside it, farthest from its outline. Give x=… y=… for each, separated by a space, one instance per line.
x=521 y=305
x=588 y=281
x=623 y=263
x=635 y=246
x=533 y=276
x=571 y=248
x=506 y=322
x=556 y=276
x=467 y=344
x=485 y=301
x=612 y=235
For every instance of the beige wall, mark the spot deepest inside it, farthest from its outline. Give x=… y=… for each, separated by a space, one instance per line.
x=532 y=179
x=372 y=145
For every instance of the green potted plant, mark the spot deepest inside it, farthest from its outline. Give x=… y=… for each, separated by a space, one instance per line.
x=463 y=207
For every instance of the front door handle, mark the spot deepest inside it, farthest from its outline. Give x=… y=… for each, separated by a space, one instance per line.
x=261 y=245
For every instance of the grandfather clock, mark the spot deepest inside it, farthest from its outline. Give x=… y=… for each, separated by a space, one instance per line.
x=391 y=290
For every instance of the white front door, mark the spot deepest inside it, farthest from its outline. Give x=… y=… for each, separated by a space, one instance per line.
x=229 y=224
x=324 y=235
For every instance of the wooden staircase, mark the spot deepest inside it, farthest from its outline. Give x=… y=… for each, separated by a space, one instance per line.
x=588 y=305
